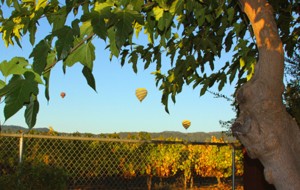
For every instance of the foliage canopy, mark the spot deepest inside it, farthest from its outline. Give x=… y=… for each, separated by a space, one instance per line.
x=192 y=34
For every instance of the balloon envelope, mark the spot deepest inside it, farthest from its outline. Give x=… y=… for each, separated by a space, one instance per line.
x=186 y=124
x=141 y=93
x=62 y=94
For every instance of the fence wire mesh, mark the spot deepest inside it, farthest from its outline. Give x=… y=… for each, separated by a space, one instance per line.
x=93 y=163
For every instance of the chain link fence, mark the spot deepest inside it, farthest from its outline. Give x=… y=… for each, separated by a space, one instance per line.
x=99 y=163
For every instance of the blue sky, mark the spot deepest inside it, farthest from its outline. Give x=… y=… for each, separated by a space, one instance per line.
x=114 y=107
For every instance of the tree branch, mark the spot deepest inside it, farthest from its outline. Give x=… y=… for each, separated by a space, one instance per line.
x=71 y=51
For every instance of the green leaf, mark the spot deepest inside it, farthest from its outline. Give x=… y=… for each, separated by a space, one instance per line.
x=95 y=22
x=16 y=66
x=10 y=86
x=37 y=77
x=228 y=41
x=133 y=59
x=112 y=42
x=164 y=101
x=8 y=2
x=18 y=92
x=122 y=22
x=136 y=4
x=165 y=4
x=32 y=31
x=124 y=54
x=18 y=41
x=51 y=59
x=232 y=71
x=2 y=84
x=238 y=29
x=70 y=4
x=200 y=15
x=99 y=27
x=86 y=28
x=76 y=28
x=157 y=57
x=89 y=77
x=212 y=46
x=64 y=42
x=85 y=54
x=149 y=29
x=176 y=7
x=230 y=12
x=148 y=6
x=31 y=112
x=17 y=5
x=222 y=81
x=219 y=11
x=40 y=54
x=203 y=90
x=46 y=77
x=165 y=21
x=57 y=19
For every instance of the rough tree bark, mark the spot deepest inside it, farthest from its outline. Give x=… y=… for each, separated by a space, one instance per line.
x=264 y=127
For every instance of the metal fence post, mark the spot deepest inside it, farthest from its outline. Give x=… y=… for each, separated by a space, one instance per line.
x=21 y=145
x=233 y=167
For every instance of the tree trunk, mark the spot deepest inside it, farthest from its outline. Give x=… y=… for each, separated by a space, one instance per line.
x=264 y=127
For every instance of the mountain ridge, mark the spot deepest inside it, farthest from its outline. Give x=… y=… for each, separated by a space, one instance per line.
x=189 y=136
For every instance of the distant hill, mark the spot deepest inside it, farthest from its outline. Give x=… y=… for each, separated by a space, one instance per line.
x=16 y=129
x=196 y=136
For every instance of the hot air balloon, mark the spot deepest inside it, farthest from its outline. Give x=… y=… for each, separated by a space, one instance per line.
x=62 y=94
x=186 y=124
x=141 y=93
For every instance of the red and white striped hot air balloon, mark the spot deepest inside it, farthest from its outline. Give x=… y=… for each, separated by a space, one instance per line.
x=186 y=124
x=141 y=93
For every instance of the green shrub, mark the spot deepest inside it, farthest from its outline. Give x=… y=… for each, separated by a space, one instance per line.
x=32 y=176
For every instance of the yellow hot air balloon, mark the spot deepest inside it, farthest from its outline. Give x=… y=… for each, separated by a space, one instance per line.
x=141 y=93
x=186 y=124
